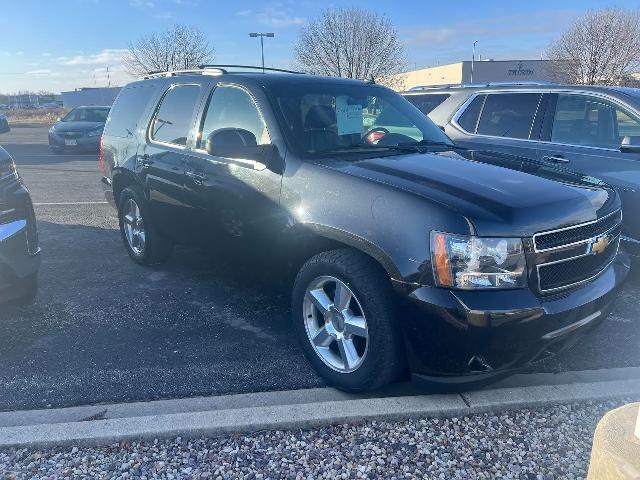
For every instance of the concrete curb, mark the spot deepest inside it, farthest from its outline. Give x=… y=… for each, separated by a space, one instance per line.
x=303 y=409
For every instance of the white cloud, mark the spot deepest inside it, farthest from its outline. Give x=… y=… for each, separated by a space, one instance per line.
x=44 y=72
x=142 y=3
x=104 y=57
x=274 y=15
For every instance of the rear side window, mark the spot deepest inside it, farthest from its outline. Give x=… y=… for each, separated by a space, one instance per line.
x=469 y=118
x=128 y=109
x=426 y=103
x=508 y=115
x=591 y=121
x=173 y=119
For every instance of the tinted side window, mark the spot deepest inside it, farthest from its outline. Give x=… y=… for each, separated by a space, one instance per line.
x=426 y=103
x=232 y=107
x=128 y=109
x=173 y=119
x=508 y=115
x=469 y=118
x=590 y=121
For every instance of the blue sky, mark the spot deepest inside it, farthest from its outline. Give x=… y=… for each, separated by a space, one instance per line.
x=59 y=45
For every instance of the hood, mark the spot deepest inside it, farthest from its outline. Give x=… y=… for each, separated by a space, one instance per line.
x=77 y=126
x=500 y=195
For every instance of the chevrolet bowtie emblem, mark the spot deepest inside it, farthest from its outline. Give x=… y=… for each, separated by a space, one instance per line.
x=599 y=245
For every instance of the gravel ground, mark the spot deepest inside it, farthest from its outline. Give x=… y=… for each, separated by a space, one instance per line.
x=550 y=443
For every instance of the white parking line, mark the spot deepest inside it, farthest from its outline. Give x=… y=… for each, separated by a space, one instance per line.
x=42 y=204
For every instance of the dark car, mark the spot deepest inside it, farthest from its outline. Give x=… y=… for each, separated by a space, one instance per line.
x=80 y=129
x=590 y=129
x=4 y=124
x=19 y=251
x=405 y=250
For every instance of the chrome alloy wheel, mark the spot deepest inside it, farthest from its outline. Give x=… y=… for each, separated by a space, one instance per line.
x=134 y=227
x=335 y=324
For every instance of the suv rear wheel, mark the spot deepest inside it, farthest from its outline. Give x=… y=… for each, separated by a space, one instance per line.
x=344 y=317
x=141 y=239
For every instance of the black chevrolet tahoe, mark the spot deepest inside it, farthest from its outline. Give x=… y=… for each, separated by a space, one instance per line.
x=408 y=254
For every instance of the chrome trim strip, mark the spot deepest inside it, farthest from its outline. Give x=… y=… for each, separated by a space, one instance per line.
x=571 y=227
x=624 y=238
x=10 y=229
x=570 y=328
x=575 y=284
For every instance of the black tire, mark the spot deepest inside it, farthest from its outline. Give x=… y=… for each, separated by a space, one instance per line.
x=385 y=358
x=157 y=248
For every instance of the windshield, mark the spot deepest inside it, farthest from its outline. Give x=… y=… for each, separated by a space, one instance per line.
x=322 y=118
x=87 y=115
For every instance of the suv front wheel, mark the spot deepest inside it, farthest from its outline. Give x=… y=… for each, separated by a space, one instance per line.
x=141 y=239
x=344 y=317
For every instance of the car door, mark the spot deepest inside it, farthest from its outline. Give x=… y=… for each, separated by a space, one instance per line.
x=504 y=122
x=236 y=197
x=584 y=133
x=161 y=162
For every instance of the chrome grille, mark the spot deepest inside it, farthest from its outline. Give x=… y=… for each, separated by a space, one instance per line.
x=576 y=234
x=577 y=254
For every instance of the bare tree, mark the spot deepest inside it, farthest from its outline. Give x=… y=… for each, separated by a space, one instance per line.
x=182 y=47
x=600 y=47
x=352 y=43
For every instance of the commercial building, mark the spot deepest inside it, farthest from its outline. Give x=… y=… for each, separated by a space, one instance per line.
x=485 y=71
x=90 y=96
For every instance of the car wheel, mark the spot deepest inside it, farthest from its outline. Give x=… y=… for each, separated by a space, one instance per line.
x=344 y=317
x=141 y=239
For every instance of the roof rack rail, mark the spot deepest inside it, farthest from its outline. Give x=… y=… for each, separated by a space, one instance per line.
x=479 y=85
x=435 y=87
x=251 y=67
x=173 y=73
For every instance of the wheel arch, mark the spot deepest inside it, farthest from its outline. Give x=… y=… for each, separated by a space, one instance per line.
x=303 y=241
x=122 y=179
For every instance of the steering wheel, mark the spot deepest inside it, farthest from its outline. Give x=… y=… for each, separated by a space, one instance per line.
x=373 y=130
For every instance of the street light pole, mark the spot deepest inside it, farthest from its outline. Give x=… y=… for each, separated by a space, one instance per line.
x=262 y=35
x=473 y=60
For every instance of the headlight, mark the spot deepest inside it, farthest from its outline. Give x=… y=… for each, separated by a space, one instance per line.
x=465 y=262
x=95 y=133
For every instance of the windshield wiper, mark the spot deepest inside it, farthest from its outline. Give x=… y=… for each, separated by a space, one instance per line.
x=433 y=143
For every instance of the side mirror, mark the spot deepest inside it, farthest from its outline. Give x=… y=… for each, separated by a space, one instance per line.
x=630 y=145
x=241 y=144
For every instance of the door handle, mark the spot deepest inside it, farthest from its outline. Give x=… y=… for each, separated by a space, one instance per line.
x=555 y=159
x=197 y=177
x=145 y=161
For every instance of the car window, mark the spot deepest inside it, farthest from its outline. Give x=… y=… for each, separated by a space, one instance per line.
x=426 y=103
x=87 y=115
x=591 y=121
x=173 y=119
x=128 y=109
x=233 y=107
x=508 y=115
x=469 y=118
x=321 y=118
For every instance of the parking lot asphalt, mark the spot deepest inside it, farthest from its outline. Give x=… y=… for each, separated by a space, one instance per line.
x=106 y=330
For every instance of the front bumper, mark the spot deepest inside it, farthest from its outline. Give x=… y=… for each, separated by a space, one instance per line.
x=19 y=250
x=81 y=143
x=471 y=336
x=17 y=263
